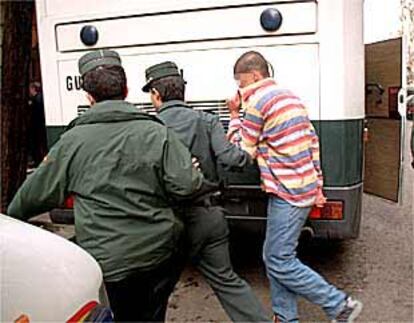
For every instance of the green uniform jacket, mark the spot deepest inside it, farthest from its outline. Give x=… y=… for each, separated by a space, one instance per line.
x=123 y=167
x=204 y=136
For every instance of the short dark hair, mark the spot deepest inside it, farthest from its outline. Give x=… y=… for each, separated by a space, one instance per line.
x=105 y=83
x=252 y=61
x=170 y=88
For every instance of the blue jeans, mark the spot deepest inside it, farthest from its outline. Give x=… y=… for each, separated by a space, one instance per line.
x=288 y=277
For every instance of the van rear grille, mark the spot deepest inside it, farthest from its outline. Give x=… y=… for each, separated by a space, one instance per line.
x=216 y=107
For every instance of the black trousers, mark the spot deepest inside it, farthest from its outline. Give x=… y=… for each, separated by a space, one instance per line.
x=143 y=296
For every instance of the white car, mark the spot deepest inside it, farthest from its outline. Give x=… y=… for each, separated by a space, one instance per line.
x=44 y=277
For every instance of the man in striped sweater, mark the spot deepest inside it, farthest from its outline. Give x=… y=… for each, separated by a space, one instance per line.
x=277 y=132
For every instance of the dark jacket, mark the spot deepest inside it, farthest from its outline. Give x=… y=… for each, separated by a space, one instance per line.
x=204 y=136
x=123 y=167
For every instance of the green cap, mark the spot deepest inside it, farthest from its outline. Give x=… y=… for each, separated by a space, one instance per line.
x=158 y=71
x=92 y=60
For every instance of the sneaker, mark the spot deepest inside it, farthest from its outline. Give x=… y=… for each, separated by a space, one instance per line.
x=350 y=312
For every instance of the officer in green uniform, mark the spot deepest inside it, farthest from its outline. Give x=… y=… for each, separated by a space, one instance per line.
x=206 y=227
x=123 y=168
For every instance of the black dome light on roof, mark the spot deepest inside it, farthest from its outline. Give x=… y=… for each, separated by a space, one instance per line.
x=89 y=35
x=271 y=19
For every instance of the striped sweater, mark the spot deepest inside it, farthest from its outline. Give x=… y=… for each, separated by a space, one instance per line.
x=276 y=130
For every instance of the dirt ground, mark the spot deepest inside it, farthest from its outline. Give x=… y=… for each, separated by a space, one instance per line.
x=377 y=268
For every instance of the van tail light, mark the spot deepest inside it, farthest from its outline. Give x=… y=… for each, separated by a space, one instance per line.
x=332 y=210
x=70 y=200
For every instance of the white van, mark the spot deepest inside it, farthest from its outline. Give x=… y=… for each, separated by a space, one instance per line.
x=315 y=47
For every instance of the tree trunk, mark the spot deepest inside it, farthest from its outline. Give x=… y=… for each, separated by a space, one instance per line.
x=17 y=36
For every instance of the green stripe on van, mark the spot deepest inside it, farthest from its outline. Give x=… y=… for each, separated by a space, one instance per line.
x=53 y=134
x=341 y=149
